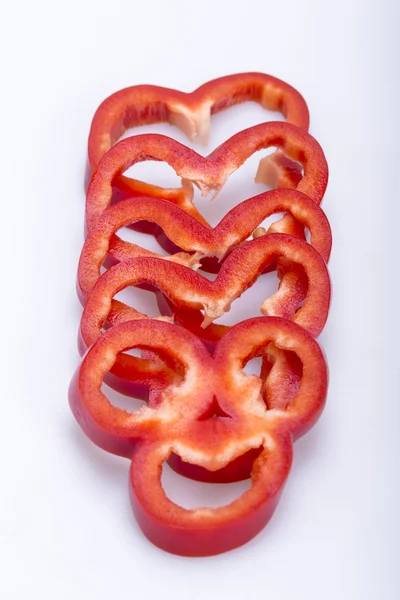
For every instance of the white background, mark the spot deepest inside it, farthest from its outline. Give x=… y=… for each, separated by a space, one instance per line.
x=66 y=529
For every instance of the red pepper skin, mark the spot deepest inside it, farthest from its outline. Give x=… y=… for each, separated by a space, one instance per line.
x=179 y=421
x=145 y=104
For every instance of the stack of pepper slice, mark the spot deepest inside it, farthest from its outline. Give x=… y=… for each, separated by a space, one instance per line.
x=204 y=415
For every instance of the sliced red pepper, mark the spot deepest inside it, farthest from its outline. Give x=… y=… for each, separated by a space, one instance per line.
x=182 y=229
x=281 y=374
x=294 y=291
x=294 y=284
x=145 y=104
x=284 y=302
x=186 y=232
x=189 y=290
x=190 y=235
x=208 y=173
x=177 y=423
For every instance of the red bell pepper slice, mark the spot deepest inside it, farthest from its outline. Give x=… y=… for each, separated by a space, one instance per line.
x=180 y=421
x=145 y=104
x=121 y=250
x=189 y=290
x=208 y=173
x=185 y=231
x=190 y=235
